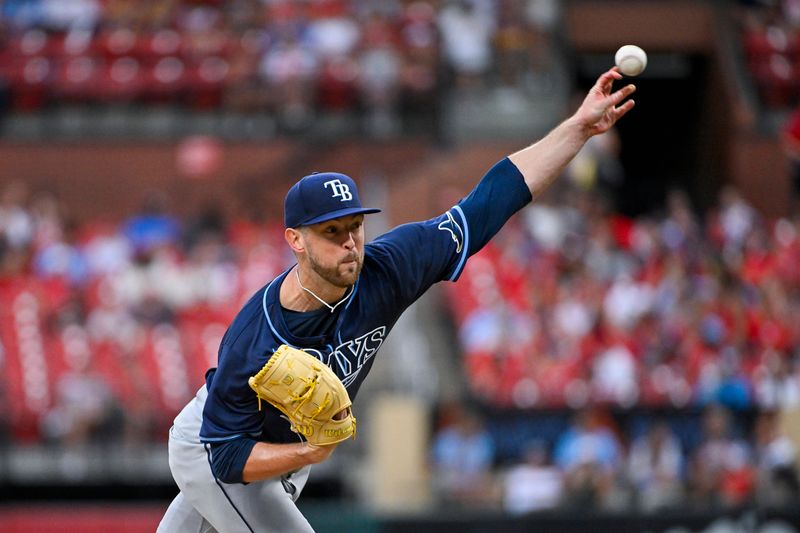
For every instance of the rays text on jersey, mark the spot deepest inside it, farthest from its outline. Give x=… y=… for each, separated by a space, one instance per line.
x=348 y=358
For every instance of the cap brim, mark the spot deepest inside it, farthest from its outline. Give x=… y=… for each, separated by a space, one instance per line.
x=341 y=213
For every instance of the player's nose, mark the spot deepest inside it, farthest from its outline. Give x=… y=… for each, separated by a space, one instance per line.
x=350 y=242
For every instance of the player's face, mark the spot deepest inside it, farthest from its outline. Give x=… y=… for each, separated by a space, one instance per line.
x=335 y=249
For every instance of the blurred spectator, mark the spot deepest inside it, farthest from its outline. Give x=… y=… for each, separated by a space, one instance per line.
x=208 y=223
x=614 y=370
x=111 y=322
x=23 y=13
x=333 y=33
x=655 y=466
x=107 y=251
x=721 y=470
x=61 y=15
x=420 y=86
x=289 y=69
x=244 y=91
x=534 y=484
x=776 y=382
x=210 y=273
x=16 y=223
x=514 y=43
x=85 y=409
x=379 y=73
x=467 y=27
x=62 y=259
x=737 y=217
x=589 y=455
x=462 y=460
x=777 y=483
x=336 y=86
x=681 y=231
x=153 y=226
x=153 y=286
x=543 y=16
x=625 y=303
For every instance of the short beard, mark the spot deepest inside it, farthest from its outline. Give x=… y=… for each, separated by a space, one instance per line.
x=332 y=275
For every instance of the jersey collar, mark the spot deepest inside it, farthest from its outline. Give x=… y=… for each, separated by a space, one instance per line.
x=272 y=311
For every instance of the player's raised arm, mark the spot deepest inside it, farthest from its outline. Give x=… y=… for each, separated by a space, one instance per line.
x=544 y=160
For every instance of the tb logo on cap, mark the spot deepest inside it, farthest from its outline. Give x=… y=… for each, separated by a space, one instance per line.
x=340 y=190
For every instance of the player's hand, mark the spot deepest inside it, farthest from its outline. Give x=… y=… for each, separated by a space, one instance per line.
x=317 y=454
x=601 y=108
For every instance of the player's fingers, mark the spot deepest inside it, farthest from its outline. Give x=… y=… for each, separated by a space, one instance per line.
x=610 y=75
x=624 y=108
x=618 y=96
x=606 y=80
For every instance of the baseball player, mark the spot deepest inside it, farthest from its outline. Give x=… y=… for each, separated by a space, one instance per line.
x=237 y=461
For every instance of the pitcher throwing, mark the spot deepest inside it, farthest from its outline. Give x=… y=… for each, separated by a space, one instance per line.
x=241 y=462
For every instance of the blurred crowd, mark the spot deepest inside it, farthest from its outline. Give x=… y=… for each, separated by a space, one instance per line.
x=386 y=60
x=770 y=36
x=106 y=329
x=593 y=463
x=574 y=303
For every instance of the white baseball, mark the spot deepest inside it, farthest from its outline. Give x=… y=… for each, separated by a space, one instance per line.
x=631 y=60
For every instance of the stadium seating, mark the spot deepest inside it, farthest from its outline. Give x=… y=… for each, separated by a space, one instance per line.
x=771 y=49
x=187 y=57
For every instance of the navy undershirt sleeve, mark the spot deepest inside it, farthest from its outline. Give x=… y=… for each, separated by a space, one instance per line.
x=228 y=458
x=500 y=193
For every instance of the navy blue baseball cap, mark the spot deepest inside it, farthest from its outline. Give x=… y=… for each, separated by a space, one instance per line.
x=322 y=196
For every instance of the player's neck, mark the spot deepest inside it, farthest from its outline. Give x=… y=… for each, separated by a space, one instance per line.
x=299 y=295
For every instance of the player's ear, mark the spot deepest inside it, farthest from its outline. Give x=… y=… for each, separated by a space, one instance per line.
x=294 y=238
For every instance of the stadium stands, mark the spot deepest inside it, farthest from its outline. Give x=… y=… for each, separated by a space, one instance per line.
x=658 y=311
x=335 y=54
x=771 y=43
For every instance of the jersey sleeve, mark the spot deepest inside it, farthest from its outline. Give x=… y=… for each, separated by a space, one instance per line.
x=419 y=254
x=415 y=256
x=229 y=458
x=501 y=193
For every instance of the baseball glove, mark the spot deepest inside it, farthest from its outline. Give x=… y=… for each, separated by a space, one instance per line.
x=308 y=393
